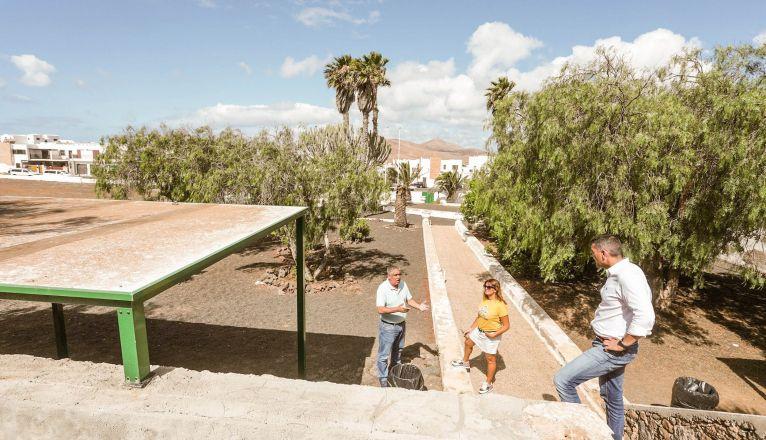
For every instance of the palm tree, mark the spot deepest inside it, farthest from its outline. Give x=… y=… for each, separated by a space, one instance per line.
x=450 y=182
x=340 y=75
x=370 y=73
x=497 y=91
x=402 y=175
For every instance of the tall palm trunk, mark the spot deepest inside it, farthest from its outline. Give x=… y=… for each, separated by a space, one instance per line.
x=375 y=121
x=400 y=207
x=365 y=122
x=346 y=122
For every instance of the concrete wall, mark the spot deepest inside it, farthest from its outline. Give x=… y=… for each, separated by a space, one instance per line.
x=48 y=399
x=644 y=422
x=6 y=153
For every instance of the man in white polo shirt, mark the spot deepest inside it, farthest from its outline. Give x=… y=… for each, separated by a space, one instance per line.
x=624 y=316
x=393 y=299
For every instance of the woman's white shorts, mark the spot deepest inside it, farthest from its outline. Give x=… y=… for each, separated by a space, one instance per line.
x=485 y=344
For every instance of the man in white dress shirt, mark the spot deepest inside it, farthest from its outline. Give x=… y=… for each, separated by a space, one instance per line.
x=624 y=316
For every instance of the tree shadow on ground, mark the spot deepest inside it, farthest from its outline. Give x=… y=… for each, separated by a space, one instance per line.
x=28 y=218
x=752 y=372
x=360 y=260
x=727 y=301
x=194 y=346
x=573 y=304
x=364 y=262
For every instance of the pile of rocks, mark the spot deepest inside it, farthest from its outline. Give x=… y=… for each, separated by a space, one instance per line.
x=284 y=280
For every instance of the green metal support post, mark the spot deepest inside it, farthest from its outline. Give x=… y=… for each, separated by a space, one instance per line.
x=133 y=343
x=300 y=289
x=59 y=329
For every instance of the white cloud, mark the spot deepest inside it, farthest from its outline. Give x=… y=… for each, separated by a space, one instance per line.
x=244 y=66
x=307 y=66
x=495 y=47
x=36 y=72
x=318 y=17
x=81 y=83
x=760 y=38
x=2 y=83
x=650 y=50
x=260 y=116
x=434 y=99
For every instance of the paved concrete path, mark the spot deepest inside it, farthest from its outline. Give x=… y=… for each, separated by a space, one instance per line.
x=525 y=366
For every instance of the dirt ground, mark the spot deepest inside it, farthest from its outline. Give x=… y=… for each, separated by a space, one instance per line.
x=715 y=334
x=237 y=316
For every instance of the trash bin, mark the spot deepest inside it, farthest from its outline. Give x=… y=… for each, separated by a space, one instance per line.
x=406 y=376
x=429 y=196
x=692 y=393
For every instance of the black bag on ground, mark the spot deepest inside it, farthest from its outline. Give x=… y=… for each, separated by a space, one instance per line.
x=406 y=376
x=692 y=393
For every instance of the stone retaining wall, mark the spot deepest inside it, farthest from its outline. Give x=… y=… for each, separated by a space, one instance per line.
x=644 y=422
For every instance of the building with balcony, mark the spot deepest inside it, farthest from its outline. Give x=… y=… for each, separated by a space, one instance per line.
x=40 y=152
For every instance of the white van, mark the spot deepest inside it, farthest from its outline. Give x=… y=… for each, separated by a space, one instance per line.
x=20 y=172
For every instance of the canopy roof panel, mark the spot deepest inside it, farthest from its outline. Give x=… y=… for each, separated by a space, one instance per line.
x=112 y=249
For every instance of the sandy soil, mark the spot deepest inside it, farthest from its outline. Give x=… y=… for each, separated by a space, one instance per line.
x=714 y=334
x=237 y=316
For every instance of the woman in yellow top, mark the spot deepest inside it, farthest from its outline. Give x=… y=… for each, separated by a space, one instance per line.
x=486 y=331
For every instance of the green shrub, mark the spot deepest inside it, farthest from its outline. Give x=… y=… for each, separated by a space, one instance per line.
x=357 y=231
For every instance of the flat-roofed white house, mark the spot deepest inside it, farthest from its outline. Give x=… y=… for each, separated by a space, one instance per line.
x=40 y=152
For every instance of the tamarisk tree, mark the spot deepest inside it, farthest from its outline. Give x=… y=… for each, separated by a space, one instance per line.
x=672 y=160
x=330 y=170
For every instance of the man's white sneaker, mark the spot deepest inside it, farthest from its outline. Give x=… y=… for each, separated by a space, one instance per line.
x=485 y=388
x=460 y=364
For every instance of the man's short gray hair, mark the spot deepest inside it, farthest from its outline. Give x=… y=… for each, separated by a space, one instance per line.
x=391 y=269
x=608 y=242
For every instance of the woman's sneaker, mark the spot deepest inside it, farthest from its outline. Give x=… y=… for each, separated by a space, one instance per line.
x=460 y=364
x=485 y=388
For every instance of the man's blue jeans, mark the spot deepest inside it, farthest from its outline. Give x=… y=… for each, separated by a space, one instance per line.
x=610 y=370
x=390 y=345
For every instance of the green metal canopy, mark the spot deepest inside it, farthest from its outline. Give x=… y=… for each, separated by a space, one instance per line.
x=121 y=253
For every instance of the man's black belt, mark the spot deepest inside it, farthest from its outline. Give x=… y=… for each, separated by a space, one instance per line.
x=392 y=323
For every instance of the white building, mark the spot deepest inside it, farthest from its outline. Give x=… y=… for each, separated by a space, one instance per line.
x=475 y=163
x=447 y=165
x=40 y=152
x=425 y=169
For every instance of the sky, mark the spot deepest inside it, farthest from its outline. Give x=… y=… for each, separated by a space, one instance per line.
x=85 y=69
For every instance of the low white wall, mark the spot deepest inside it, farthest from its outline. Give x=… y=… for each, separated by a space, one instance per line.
x=448 y=340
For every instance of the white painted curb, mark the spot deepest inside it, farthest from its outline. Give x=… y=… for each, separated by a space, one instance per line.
x=448 y=341
x=561 y=346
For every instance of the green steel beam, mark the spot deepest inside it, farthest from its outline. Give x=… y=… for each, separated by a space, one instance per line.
x=155 y=287
x=59 y=329
x=66 y=300
x=301 y=292
x=62 y=295
x=133 y=343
